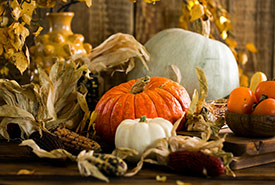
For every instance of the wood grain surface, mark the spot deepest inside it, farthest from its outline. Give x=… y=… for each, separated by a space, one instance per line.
x=14 y=158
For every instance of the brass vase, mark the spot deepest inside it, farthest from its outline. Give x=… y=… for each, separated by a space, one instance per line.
x=60 y=43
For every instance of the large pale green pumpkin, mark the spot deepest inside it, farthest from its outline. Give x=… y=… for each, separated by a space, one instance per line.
x=188 y=50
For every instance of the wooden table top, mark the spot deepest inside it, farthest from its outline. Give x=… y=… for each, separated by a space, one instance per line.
x=14 y=158
x=45 y=173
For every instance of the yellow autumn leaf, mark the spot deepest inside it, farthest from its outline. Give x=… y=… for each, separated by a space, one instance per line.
x=147 y=1
x=151 y=1
x=161 y=178
x=38 y=31
x=2 y=7
x=240 y=71
x=4 y=71
x=88 y=2
x=16 y=11
x=244 y=81
x=25 y=172
x=9 y=53
x=242 y=58
x=46 y=3
x=17 y=34
x=1 y=49
x=224 y=34
x=196 y=12
x=231 y=43
x=27 y=11
x=3 y=21
x=178 y=182
x=251 y=47
x=21 y=61
x=4 y=35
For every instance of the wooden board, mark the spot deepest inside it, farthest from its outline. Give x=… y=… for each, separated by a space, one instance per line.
x=247 y=152
x=247 y=161
x=14 y=158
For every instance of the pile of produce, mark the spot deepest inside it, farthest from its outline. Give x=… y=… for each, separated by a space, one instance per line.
x=138 y=120
x=251 y=111
x=258 y=101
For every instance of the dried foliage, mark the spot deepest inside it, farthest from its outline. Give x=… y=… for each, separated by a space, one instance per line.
x=15 y=25
x=54 y=101
x=209 y=18
x=200 y=117
x=117 y=50
x=88 y=162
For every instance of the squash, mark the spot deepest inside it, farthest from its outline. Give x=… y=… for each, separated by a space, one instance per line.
x=152 y=97
x=188 y=50
x=141 y=134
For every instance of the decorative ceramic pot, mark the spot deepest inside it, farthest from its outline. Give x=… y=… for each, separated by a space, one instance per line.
x=59 y=43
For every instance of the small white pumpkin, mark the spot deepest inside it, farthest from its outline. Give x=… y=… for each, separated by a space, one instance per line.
x=188 y=50
x=141 y=134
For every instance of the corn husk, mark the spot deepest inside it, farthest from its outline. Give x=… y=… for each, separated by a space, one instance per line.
x=85 y=167
x=115 y=51
x=164 y=146
x=199 y=117
x=55 y=100
x=59 y=91
x=21 y=105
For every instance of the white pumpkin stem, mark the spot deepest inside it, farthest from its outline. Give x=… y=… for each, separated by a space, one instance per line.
x=140 y=84
x=142 y=119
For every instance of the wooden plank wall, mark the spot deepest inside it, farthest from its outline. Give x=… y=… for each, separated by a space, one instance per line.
x=253 y=21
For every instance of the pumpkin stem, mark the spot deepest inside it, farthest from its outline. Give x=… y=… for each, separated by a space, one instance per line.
x=142 y=119
x=139 y=85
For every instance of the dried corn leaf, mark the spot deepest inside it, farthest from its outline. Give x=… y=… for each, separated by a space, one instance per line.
x=193 y=105
x=60 y=92
x=117 y=50
x=22 y=106
x=199 y=117
x=86 y=168
x=54 y=154
x=177 y=72
x=203 y=88
x=160 y=152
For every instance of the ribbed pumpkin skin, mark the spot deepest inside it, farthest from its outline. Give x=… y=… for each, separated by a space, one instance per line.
x=160 y=98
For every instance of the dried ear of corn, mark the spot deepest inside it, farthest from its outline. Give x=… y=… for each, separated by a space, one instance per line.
x=47 y=141
x=109 y=164
x=195 y=163
x=74 y=142
x=89 y=163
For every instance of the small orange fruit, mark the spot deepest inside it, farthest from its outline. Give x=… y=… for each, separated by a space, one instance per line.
x=241 y=100
x=265 y=88
x=265 y=107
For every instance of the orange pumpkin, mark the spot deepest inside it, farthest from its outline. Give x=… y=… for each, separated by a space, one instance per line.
x=152 y=97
